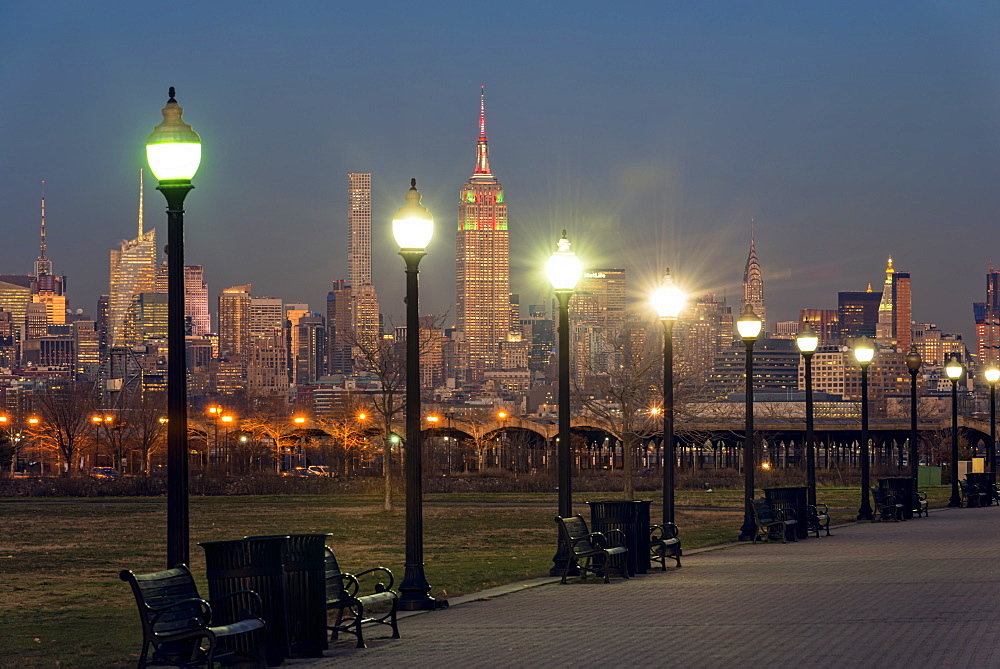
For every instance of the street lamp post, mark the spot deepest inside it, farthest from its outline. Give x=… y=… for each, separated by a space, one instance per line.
x=807 y=341
x=749 y=326
x=954 y=370
x=992 y=375
x=913 y=362
x=564 y=270
x=173 y=151
x=668 y=301
x=864 y=352
x=96 y=420
x=412 y=228
x=225 y=443
x=216 y=413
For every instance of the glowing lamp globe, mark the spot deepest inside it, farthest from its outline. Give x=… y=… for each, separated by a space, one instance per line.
x=992 y=374
x=668 y=300
x=173 y=149
x=749 y=324
x=412 y=226
x=864 y=352
x=564 y=269
x=954 y=369
x=807 y=341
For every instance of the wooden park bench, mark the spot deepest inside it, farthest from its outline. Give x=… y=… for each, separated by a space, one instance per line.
x=183 y=630
x=887 y=506
x=594 y=549
x=356 y=608
x=972 y=494
x=664 y=543
x=771 y=523
x=819 y=518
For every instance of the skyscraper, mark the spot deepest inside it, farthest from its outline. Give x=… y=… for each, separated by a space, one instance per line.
x=753 y=285
x=47 y=288
x=988 y=321
x=857 y=312
x=196 y=301
x=600 y=296
x=133 y=271
x=824 y=323
x=359 y=229
x=338 y=322
x=483 y=263
x=364 y=307
x=234 y=321
x=902 y=316
x=884 y=330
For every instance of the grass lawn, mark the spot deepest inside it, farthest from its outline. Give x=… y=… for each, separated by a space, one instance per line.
x=64 y=606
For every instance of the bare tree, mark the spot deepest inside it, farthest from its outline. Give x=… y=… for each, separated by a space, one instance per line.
x=63 y=421
x=624 y=392
x=346 y=426
x=147 y=428
x=270 y=422
x=386 y=360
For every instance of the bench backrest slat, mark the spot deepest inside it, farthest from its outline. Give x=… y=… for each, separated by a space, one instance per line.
x=573 y=531
x=334 y=584
x=159 y=590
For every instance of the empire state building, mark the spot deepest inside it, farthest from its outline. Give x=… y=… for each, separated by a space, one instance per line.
x=483 y=262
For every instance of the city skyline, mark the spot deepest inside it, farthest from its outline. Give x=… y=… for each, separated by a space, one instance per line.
x=846 y=140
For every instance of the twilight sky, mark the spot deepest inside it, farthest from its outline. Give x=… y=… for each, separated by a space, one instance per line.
x=652 y=131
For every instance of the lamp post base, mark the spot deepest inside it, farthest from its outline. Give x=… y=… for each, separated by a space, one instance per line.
x=414 y=591
x=955 y=503
x=746 y=534
x=749 y=528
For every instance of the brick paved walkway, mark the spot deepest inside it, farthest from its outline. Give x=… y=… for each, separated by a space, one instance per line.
x=921 y=593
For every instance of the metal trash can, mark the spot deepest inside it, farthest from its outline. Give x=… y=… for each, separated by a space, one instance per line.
x=304 y=591
x=794 y=498
x=983 y=481
x=905 y=490
x=242 y=565
x=632 y=519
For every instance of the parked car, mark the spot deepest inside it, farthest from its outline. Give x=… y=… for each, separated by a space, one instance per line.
x=105 y=473
x=319 y=470
x=299 y=471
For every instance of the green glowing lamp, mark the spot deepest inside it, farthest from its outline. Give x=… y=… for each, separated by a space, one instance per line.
x=173 y=149
x=564 y=268
x=668 y=300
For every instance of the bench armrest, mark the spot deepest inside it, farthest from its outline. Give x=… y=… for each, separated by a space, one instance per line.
x=374 y=570
x=256 y=603
x=664 y=531
x=350 y=584
x=206 y=610
x=818 y=509
x=604 y=539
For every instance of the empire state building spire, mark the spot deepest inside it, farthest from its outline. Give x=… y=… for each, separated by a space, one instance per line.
x=753 y=283
x=482 y=150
